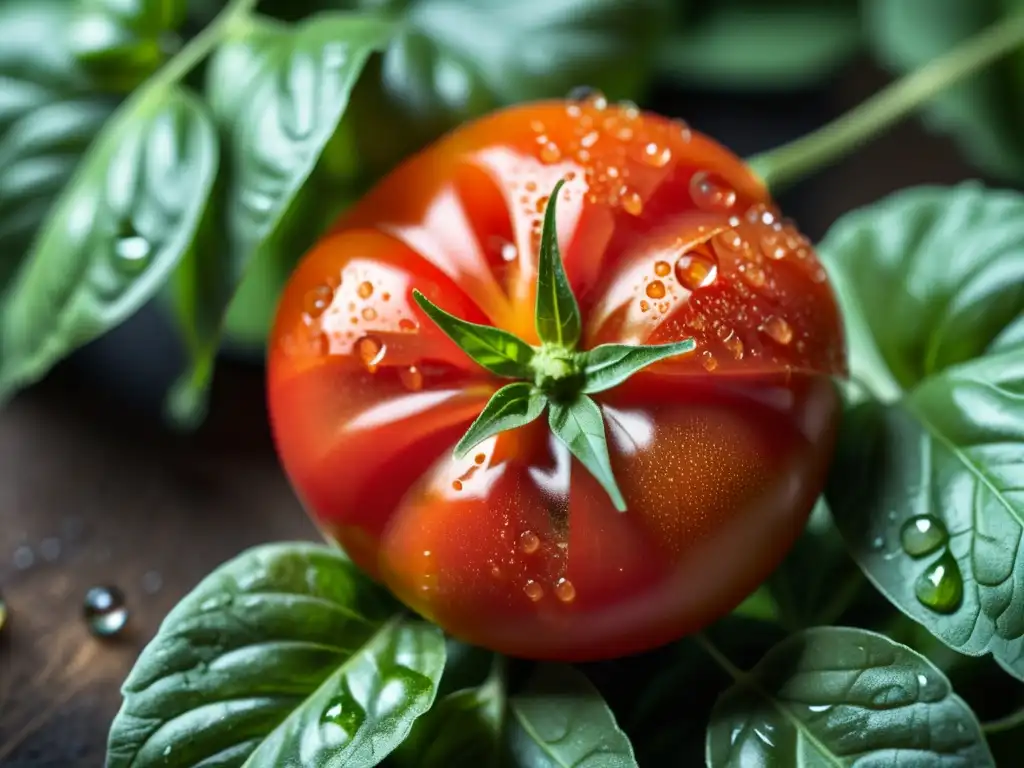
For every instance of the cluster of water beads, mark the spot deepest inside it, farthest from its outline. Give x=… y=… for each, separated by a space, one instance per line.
x=940 y=586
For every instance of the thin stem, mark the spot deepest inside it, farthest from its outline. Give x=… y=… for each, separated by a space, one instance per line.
x=720 y=658
x=1008 y=723
x=196 y=49
x=791 y=162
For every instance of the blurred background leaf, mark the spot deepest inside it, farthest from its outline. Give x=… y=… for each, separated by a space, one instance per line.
x=984 y=113
x=753 y=45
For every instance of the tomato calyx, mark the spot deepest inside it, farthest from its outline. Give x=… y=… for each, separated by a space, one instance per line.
x=555 y=376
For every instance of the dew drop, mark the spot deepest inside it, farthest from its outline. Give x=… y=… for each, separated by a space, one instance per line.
x=542 y=202
x=132 y=251
x=590 y=139
x=480 y=458
x=344 y=711
x=23 y=557
x=708 y=361
x=644 y=306
x=631 y=201
x=756 y=277
x=583 y=93
x=778 y=329
x=550 y=153
x=105 y=611
x=710 y=192
x=696 y=269
x=922 y=535
x=773 y=248
x=371 y=352
x=365 y=289
x=661 y=268
x=656 y=155
x=369 y=313
x=940 y=587
x=411 y=378
x=730 y=240
x=565 y=591
x=457 y=485
x=508 y=252
x=656 y=289
x=407 y=325
x=533 y=590
x=317 y=300
x=529 y=542
x=734 y=344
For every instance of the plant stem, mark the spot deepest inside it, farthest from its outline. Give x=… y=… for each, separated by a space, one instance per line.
x=791 y=162
x=1008 y=723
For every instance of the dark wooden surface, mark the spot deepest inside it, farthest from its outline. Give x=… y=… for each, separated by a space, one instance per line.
x=99 y=495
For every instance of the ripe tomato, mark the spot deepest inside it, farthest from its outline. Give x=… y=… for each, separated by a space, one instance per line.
x=719 y=453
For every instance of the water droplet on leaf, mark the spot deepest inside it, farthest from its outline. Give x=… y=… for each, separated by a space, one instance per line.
x=132 y=251
x=940 y=587
x=105 y=611
x=344 y=711
x=922 y=535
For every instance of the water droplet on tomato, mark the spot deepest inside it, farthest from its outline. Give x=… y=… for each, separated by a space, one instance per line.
x=371 y=351
x=529 y=542
x=369 y=313
x=542 y=202
x=590 y=139
x=565 y=591
x=662 y=268
x=923 y=534
x=656 y=155
x=411 y=378
x=583 y=93
x=778 y=329
x=365 y=289
x=457 y=485
x=632 y=203
x=730 y=240
x=656 y=289
x=711 y=192
x=696 y=269
x=537 y=126
x=105 y=611
x=756 y=277
x=940 y=587
x=480 y=458
x=533 y=590
x=317 y=300
x=550 y=153
x=773 y=247
x=406 y=324
x=644 y=306
x=708 y=361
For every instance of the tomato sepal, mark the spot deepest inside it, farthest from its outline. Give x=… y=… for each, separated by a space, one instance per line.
x=514 y=405
x=609 y=365
x=580 y=426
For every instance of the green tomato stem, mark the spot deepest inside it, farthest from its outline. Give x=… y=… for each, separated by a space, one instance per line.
x=1011 y=722
x=780 y=167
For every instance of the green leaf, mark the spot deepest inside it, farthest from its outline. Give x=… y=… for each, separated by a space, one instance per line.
x=114 y=236
x=928 y=278
x=122 y=42
x=833 y=696
x=557 y=313
x=500 y=352
x=278 y=95
x=926 y=487
x=48 y=117
x=750 y=44
x=984 y=112
x=514 y=405
x=608 y=365
x=462 y=729
x=580 y=426
x=285 y=656
x=452 y=61
x=559 y=720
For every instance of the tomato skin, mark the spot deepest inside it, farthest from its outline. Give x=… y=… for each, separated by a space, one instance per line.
x=720 y=453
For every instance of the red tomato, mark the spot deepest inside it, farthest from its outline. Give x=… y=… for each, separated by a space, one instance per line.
x=720 y=453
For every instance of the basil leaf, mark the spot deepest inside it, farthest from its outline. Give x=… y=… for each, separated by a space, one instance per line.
x=122 y=42
x=278 y=94
x=559 y=720
x=500 y=352
x=833 y=696
x=451 y=61
x=608 y=365
x=557 y=313
x=981 y=112
x=286 y=655
x=580 y=426
x=514 y=405
x=925 y=487
x=48 y=117
x=750 y=44
x=116 y=233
